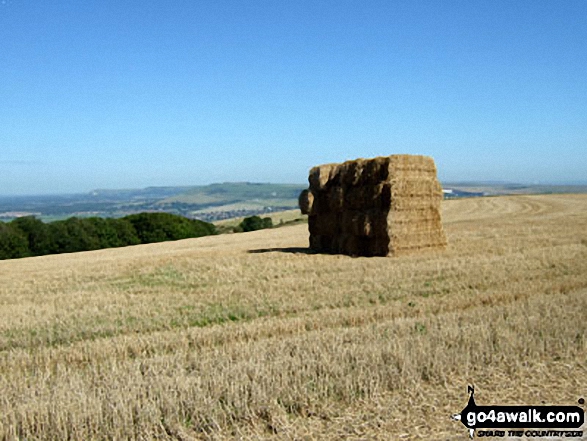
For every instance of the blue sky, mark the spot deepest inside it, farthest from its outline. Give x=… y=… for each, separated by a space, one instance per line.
x=121 y=94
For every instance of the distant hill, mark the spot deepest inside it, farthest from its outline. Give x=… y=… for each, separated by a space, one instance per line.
x=232 y=192
x=235 y=199
x=216 y=202
x=206 y=202
x=495 y=188
x=138 y=194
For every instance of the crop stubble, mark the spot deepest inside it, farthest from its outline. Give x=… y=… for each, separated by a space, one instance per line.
x=249 y=336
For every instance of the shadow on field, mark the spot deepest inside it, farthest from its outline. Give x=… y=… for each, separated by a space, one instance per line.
x=292 y=250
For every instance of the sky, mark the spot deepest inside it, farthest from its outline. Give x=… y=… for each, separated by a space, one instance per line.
x=130 y=94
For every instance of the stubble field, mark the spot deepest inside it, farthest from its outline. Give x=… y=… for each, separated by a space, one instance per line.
x=248 y=336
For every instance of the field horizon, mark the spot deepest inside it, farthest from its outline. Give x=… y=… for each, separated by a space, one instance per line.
x=251 y=336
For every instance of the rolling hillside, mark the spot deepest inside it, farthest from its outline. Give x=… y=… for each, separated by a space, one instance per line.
x=235 y=199
x=206 y=202
x=232 y=192
x=250 y=336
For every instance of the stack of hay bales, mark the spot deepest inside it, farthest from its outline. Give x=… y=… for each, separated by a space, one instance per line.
x=374 y=207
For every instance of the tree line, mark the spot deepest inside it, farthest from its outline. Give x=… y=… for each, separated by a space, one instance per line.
x=29 y=236
x=253 y=223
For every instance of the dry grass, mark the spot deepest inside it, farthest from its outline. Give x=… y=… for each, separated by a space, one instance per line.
x=249 y=337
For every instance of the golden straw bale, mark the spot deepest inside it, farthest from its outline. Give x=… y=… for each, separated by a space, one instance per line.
x=306 y=200
x=374 y=207
x=336 y=199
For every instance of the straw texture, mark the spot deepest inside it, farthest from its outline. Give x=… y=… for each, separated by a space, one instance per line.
x=374 y=207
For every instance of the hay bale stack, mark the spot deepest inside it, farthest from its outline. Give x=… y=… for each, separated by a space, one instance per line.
x=374 y=207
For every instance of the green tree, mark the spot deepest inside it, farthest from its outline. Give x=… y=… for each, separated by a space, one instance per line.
x=253 y=223
x=29 y=236
x=13 y=242
x=160 y=227
x=267 y=222
x=37 y=234
x=73 y=235
x=59 y=237
x=125 y=232
x=103 y=230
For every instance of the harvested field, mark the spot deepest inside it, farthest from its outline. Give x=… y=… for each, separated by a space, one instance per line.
x=250 y=336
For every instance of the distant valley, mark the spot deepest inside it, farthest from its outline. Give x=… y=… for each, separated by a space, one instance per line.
x=215 y=202
x=209 y=202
